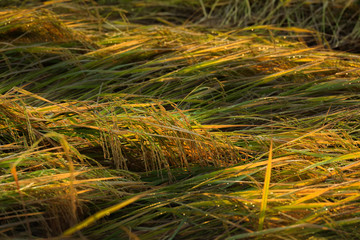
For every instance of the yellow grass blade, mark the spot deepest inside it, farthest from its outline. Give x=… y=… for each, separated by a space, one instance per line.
x=354 y=155
x=101 y=214
x=266 y=189
x=312 y=195
x=27 y=93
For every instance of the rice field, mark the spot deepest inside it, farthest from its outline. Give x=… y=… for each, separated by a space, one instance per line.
x=206 y=119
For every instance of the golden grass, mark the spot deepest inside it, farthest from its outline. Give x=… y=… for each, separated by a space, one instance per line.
x=116 y=130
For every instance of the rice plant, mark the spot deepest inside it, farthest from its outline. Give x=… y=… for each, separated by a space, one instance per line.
x=150 y=123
